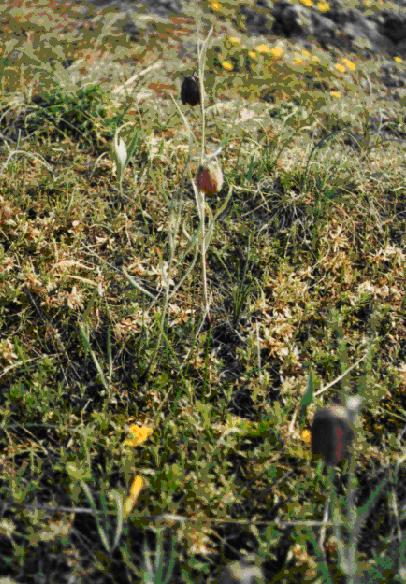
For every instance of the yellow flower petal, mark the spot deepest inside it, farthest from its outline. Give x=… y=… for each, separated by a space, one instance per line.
x=349 y=64
x=335 y=93
x=276 y=52
x=233 y=40
x=306 y=2
x=133 y=494
x=323 y=6
x=227 y=65
x=215 y=6
x=397 y=59
x=340 y=67
x=138 y=435
x=252 y=54
x=263 y=49
x=306 y=436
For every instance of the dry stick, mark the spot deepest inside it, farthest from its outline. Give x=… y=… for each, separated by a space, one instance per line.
x=323 y=530
x=131 y=80
x=23 y=363
x=174 y=517
x=340 y=377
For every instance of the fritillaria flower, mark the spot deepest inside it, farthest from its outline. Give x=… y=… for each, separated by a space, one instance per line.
x=190 y=92
x=333 y=431
x=209 y=179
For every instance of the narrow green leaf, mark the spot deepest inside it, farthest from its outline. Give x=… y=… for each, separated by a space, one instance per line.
x=307 y=398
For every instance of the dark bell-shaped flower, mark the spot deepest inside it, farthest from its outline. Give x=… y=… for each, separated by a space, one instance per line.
x=209 y=179
x=190 y=93
x=333 y=431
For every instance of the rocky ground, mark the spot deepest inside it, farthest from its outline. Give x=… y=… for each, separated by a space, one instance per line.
x=360 y=29
x=366 y=29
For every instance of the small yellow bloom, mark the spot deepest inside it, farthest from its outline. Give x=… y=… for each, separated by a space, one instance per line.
x=252 y=54
x=306 y=2
x=227 y=65
x=233 y=40
x=306 y=436
x=133 y=494
x=315 y=59
x=263 y=49
x=276 y=52
x=323 y=6
x=349 y=64
x=139 y=434
x=340 y=67
x=335 y=93
x=397 y=59
x=297 y=61
x=215 y=6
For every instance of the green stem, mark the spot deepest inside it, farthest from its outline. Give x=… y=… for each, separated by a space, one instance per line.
x=203 y=254
x=351 y=521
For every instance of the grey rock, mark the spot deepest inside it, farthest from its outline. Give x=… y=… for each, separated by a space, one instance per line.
x=349 y=29
x=324 y=28
x=130 y=28
x=394 y=26
x=358 y=25
x=391 y=77
x=256 y=22
x=291 y=20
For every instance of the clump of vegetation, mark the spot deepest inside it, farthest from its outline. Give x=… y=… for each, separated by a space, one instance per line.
x=81 y=115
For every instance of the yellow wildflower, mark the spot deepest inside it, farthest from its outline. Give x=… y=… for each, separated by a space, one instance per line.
x=315 y=59
x=227 y=65
x=349 y=64
x=307 y=3
x=252 y=54
x=133 y=495
x=233 y=40
x=297 y=61
x=276 y=52
x=323 y=6
x=215 y=6
x=306 y=54
x=397 y=59
x=263 y=49
x=335 y=93
x=139 y=434
x=306 y=436
x=340 y=67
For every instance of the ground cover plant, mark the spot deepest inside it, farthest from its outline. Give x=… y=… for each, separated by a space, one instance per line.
x=163 y=352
